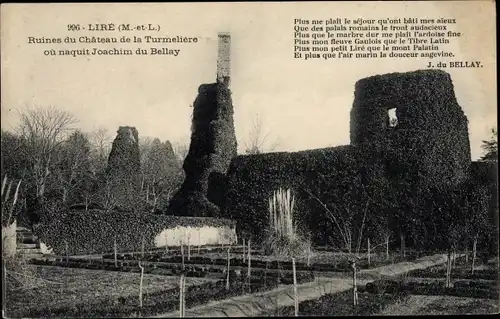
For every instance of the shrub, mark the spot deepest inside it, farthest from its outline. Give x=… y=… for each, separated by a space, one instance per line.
x=9 y=202
x=94 y=231
x=17 y=274
x=282 y=237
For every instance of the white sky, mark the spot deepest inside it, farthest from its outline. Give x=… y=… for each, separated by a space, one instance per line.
x=304 y=104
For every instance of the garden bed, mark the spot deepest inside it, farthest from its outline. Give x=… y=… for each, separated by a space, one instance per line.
x=376 y=296
x=325 y=262
x=176 y=250
x=471 y=289
x=174 y=269
x=89 y=297
x=420 y=305
x=57 y=289
x=487 y=274
x=341 y=304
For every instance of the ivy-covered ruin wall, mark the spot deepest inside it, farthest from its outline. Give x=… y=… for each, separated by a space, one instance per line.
x=213 y=145
x=335 y=177
x=393 y=169
x=430 y=139
x=120 y=189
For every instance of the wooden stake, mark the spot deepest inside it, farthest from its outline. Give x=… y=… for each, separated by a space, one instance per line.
x=387 y=247
x=279 y=274
x=182 y=253
x=369 y=259
x=142 y=248
x=166 y=244
x=181 y=297
x=403 y=250
x=265 y=273
x=309 y=254
x=474 y=251
x=228 y=269
x=448 y=270
x=295 y=294
x=451 y=266
x=453 y=258
x=199 y=241
x=140 y=286
x=4 y=290
x=67 y=253
x=249 y=260
x=116 y=259
x=354 y=284
x=467 y=253
x=244 y=250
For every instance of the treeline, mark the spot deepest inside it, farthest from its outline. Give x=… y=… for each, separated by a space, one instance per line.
x=61 y=166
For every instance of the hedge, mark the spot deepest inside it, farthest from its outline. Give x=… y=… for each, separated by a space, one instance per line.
x=326 y=173
x=94 y=231
x=340 y=305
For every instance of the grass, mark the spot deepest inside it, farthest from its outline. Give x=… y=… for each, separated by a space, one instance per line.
x=283 y=238
x=93 y=293
x=340 y=304
x=20 y=274
x=417 y=305
x=72 y=288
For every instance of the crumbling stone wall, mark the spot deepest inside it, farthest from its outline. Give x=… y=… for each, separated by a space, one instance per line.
x=430 y=142
x=123 y=172
x=213 y=145
x=427 y=150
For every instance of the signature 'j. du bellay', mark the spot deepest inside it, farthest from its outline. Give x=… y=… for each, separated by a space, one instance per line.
x=456 y=64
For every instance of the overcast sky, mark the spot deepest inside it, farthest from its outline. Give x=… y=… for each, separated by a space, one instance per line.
x=303 y=104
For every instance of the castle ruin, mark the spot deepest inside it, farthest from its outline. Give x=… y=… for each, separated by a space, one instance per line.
x=213 y=142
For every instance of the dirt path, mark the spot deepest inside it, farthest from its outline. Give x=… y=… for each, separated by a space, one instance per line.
x=255 y=304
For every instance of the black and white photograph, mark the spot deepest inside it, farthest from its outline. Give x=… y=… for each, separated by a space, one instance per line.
x=249 y=159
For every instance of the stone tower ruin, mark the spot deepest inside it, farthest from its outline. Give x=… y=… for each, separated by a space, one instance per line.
x=123 y=171
x=224 y=58
x=430 y=137
x=213 y=141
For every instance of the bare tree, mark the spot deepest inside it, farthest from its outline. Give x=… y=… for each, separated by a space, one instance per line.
x=181 y=149
x=101 y=146
x=43 y=129
x=343 y=218
x=74 y=168
x=161 y=171
x=490 y=147
x=145 y=148
x=257 y=138
x=105 y=196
